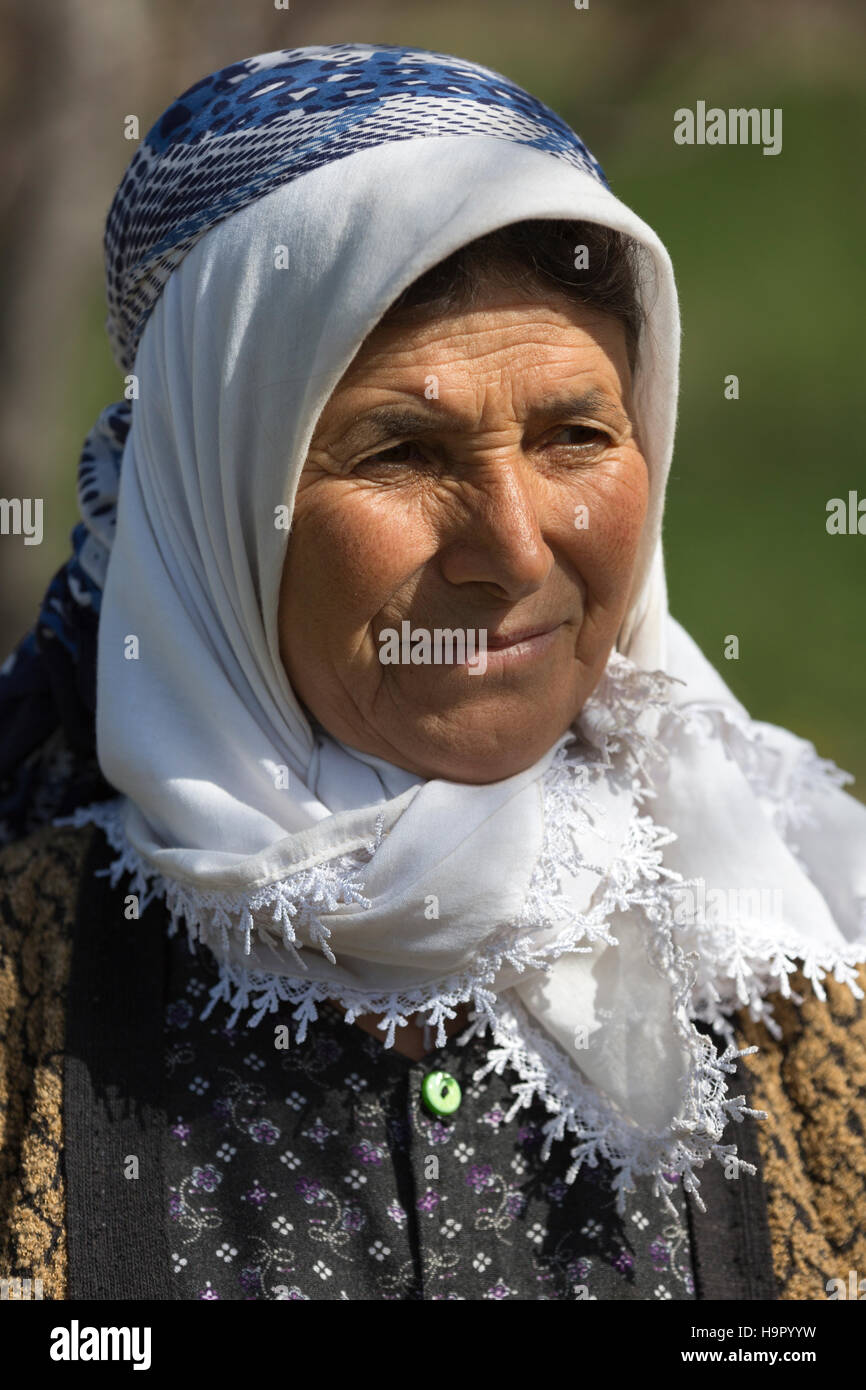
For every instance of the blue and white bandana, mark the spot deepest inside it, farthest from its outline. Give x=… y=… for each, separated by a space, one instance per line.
x=228 y=140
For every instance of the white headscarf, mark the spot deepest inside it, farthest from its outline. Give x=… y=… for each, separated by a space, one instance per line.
x=552 y=901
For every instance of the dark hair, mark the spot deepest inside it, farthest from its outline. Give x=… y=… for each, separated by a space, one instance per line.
x=531 y=256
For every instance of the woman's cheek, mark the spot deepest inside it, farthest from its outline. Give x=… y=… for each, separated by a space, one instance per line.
x=350 y=553
x=608 y=518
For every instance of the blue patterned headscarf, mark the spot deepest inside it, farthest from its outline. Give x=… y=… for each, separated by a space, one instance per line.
x=230 y=139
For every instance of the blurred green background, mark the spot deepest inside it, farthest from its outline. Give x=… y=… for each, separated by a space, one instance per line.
x=768 y=253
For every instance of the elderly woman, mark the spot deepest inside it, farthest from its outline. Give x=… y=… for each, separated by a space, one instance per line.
x=516 y=961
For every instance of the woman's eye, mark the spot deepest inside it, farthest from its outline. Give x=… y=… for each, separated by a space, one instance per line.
x=588 y=438
x=406 y=452
x=581 y=435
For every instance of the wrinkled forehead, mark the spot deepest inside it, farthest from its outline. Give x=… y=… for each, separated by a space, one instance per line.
x=510 y=355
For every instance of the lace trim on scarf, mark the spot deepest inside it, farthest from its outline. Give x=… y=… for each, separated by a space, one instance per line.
x=731 y=969
x=746 y=961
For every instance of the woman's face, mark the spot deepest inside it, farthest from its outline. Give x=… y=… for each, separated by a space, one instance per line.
x=477 y=472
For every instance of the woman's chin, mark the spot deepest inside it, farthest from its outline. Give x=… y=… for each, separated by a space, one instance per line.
x=480 y=755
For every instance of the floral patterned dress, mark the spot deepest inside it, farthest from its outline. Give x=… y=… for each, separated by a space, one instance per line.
x=315 y=1171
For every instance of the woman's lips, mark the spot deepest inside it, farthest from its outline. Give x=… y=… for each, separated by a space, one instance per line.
x=513 y=649
x=499 y=641
x=476 y=648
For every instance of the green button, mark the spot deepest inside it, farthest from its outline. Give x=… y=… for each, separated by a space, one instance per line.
x=440 y=1093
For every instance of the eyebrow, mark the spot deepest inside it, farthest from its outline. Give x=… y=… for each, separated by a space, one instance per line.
x=419 y=419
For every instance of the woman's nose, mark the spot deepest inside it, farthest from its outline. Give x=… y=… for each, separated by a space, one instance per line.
x=499 y=537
